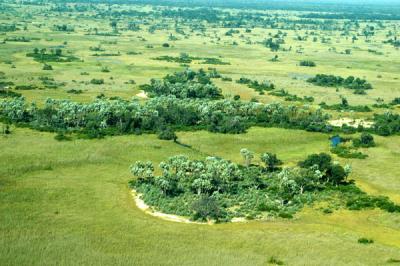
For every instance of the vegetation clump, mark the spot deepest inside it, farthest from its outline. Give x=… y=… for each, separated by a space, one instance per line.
x=308 y=63
x=356 y=84
x=217 y=189
x=55 y=55
x=186 y=84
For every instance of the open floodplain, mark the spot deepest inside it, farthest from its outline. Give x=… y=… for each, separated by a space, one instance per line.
x=213 y=114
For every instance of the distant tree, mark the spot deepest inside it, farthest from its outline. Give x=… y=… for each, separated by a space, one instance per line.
x=247 y=156
x=271 y=161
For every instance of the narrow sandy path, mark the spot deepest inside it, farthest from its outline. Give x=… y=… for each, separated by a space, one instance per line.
x=169 y=217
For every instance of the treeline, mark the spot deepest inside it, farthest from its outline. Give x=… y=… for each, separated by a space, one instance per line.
x=352 y=16
x=358 y=85
x=217 y=189
x=387 y=124
x=53 y=55
x=113 y=117
x=184 y=58
x=8 y=27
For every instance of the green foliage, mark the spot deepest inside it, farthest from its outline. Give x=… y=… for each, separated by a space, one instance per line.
x=97 y=81
x=364 y=240
x=347 y=152
x=167 y=134
x=271 y=161
x=74 y=91
x=386 y=124
x=186 y=84
x=220 y=190
x=55 y=55
x=291 y=97
x=366 y=140
x=336 y=81
x=110 y=117
x=207 y=208
x=275 y=261
x=307 y=63
x=47 y=67
x=62 y=137
x=344 y=106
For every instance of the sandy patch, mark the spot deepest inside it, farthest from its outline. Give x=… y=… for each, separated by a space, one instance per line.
x=168 y=217
x=350 y=122
x=171 y=217
x=142 y=95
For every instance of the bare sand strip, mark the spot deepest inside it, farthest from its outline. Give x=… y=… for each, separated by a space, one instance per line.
x=142 y=95
x=170 y=217
x=351 y=122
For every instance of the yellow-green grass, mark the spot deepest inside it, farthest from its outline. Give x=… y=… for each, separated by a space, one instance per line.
x=68 y=203
x=250 y=60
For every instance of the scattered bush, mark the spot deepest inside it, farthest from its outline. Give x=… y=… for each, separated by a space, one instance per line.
x=364 y=240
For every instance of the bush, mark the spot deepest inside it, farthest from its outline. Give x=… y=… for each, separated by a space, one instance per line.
x=366 y=140
x=345 y=152
x=274 y=260
x=97 y=81
x=167 y=134
x=47 y=67
x=207 y=208
x=62 y=137
x=308 y=63
x=364 y=240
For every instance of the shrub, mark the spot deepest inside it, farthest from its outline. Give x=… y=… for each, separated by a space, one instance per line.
x=345 y=152
x=307 y=63
x=274 y=260
x=366 y=140
x=364 y=240
x=47 y=67
x=167 y=134
x=207 y=208
x=97 y=81
x=62 y=137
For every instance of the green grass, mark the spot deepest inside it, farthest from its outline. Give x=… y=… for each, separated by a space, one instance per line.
x=291 y=146
x=69 y=203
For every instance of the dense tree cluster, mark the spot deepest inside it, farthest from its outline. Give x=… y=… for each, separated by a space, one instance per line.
x=53 y=55
x=387 y=124
x=105 y=117
x=350 y=82
x=219 y=190
x=307 y=63
x=186 y=84
x=256 y=85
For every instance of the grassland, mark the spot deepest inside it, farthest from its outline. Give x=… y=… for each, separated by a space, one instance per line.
x=68 y=203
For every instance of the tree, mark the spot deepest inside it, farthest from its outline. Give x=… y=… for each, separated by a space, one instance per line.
x=202 y=185
x=367 y=140
x=336 y=174
x=58 y=52
x=143 y=170
x=207 y=208
x=322 y=160
x=113 y=25
x=247 y=156
x=167 y=134
x=271 y=161
x=163 y=183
